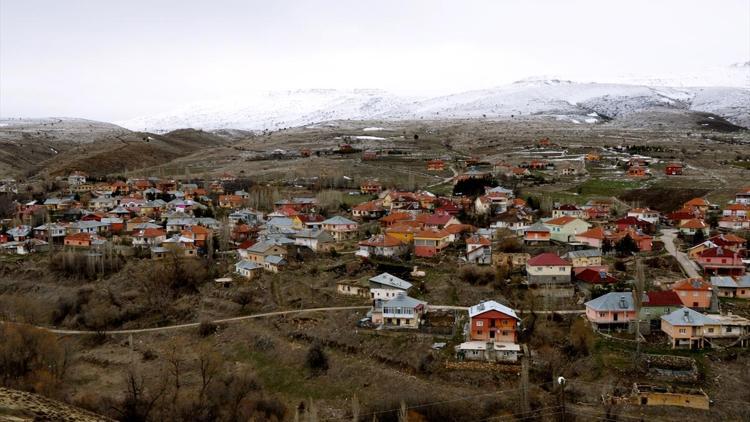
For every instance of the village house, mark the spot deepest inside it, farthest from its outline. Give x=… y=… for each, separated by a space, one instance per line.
x=382 y=245
x=51 y=232
x=585 y=258
x=149 y=237
x=537 y=233
x=428 y=243
x=643 y=242
x=593 y=237
x=435 y=165
x=692 y=226
x=686 y=328
x=404 y=231
x=729 y=241
x=626 y=223
x=727 y=286
x=440 y=221
x=492 y=334
x=340 y=228
x=720 y=261
x=478 y=250
x=317 y=240
x=743 y=196
x=400 y=312
x=273 y=263
x=673 y=169
x=353 y=288
x=568 y=210
x=699 y=204
x=258 y=252
x=637 y=172
x=83 y=240
x=612 y=310
x=736 y=210
x=510 y=260
x=657 y=303
x=590 y=277
x=565 y=228
x=77 y=178
x=370 y=187
x=247 y=269
x=548 y=268
x=694 y=292
x=370 y=210
x=734 y=223
x=645 y=214
x=385 y=286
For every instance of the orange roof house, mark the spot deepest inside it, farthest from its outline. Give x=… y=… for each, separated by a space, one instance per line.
x=694 y=292
x=435 y=165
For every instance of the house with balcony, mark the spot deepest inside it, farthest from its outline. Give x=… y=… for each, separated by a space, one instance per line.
x=727 y=286
x=400 y=312
x=614 y=310
x=720 y=261
x=537 y=233
x=687 y=328
x=428 y=243
x=386 y=286
x=491 y=334
x=340 y=228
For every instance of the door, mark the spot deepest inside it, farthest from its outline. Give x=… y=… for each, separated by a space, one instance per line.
x=614 y=316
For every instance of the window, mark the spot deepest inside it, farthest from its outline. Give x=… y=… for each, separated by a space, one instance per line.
x=480 y=323
x=683 y=293
x=683 y=330
x=710 y=330
x=729 y=329
x=479 y=332
x=602 y=314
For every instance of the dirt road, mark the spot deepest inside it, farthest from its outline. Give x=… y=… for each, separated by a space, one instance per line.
x=688 y=266
x=262 y=315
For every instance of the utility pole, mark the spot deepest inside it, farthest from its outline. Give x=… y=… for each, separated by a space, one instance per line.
x=525 y=380
x=638 y=301
x=561 y=383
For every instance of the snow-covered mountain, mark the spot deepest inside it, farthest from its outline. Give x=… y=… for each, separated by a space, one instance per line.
x=574 y=101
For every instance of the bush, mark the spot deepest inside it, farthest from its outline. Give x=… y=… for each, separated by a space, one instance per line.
x=207 y=328
x=475 y=275
x=316 y=360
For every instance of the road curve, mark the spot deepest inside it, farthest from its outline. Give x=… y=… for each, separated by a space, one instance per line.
x=257 y=316
x=688 y=266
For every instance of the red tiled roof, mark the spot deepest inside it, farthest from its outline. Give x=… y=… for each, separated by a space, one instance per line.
x=431 y=234
x=592 y=276
x=381 y=241
x=692 y=284
x=693 y=223
x=662 y=298
x=561 y=221
x=593 y=233
x=696 y=202
x=547 y=259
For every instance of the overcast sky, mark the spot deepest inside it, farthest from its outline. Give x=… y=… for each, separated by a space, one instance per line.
x=112 y=60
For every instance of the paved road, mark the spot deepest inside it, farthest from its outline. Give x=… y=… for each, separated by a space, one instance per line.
x=262 y=315
x=688 y=266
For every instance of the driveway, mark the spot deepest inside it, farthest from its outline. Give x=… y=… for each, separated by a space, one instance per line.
x=689 y=267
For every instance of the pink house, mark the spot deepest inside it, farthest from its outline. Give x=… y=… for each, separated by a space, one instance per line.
x=720 y=261
x=612 y=310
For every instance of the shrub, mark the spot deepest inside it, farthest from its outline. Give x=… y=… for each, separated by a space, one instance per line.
x=316 y=360
x=207 y=328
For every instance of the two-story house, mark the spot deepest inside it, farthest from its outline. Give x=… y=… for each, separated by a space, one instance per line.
x=611 y=310
x=340 y=228
x=492 y=333
x=694 y=292
x=548 y=268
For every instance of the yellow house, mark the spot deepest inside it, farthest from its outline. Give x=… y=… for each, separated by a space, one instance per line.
x=403 y=232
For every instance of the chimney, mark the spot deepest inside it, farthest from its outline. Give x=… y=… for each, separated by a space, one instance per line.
x=686 y=315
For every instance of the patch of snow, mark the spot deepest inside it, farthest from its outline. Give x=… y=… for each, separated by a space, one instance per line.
x=372 y=129
x=591 y=120
x=575 y=121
